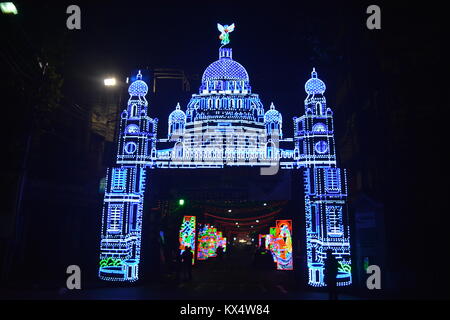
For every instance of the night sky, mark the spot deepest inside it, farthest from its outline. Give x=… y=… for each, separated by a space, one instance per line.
x=278 y=45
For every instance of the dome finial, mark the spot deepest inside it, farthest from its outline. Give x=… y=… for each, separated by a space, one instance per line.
x=272 y=106
x=178 y=106
x=139 y=75
x=314 y=73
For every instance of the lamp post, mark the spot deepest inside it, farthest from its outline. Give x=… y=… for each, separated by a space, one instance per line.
x=112 y=84
x=109 y=82
x=8 y=8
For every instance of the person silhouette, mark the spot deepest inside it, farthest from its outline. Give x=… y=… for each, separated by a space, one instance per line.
x=330 y=274
x=178 y=264
x=186 y=258
x=219 y=252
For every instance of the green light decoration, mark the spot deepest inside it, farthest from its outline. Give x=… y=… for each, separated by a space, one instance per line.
x=273 y=231
x=225 y=30
x=110 y=262
x=344 y=267
x=366 y=263
x=181 y=202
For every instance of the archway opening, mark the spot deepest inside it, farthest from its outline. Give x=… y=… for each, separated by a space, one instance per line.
x=240 y=205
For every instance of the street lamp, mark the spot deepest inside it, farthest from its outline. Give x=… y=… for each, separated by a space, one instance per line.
x=110 y=82
x=8 y=8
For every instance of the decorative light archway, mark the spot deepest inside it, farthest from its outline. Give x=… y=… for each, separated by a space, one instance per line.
x=225 y=125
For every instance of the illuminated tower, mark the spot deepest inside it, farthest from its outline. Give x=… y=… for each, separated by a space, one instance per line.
x=325 y=186
x=273 y=122
x=177 y=123
x=137 y=134
x=125 y=186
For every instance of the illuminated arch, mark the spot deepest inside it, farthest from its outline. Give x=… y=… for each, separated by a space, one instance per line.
x=235 y=112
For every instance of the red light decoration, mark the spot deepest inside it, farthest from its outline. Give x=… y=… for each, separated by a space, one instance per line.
x=280 y=244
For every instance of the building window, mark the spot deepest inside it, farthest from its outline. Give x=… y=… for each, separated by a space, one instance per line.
x=334 y=221
x=319 y=127
x=119 y=179
x=318 y=108
x=321 y=147
x=115 y=212
x=133 y=110
x=332 y=180
x=130 y=147
x=132 y=128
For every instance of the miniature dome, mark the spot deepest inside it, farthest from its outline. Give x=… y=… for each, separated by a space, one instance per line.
x=177 y=115
x=138 y=87
x=272 y=115
x=314 y=85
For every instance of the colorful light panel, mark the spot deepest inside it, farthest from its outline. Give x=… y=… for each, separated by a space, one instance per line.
x=187 y=234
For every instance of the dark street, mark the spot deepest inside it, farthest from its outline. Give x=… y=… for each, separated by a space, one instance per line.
x=234 y=279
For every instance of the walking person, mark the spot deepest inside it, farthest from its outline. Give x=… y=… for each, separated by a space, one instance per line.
x=330 y=273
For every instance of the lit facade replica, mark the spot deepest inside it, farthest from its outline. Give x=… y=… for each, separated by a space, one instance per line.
x=187 y=234
x=226 y=125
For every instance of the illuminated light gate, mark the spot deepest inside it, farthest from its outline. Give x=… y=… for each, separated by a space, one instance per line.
x=283 y=245
x=225 y=125
x=209 y=239
x=187 y=234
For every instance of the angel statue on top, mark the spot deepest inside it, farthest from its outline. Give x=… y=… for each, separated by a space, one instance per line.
x=225 y=30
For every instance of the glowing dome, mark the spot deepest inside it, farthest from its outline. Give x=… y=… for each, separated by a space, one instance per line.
x=314 y=85
x=272 y=115
x=225 y=69
x=177 y=115
x=138 y=87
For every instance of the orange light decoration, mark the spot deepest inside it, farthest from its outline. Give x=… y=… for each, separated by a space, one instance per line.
x=279 y=242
